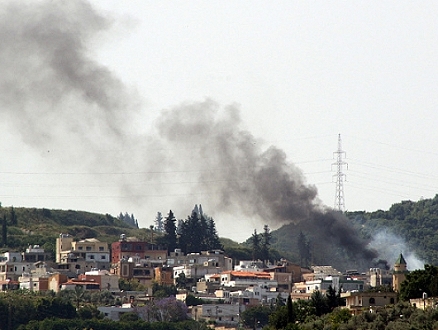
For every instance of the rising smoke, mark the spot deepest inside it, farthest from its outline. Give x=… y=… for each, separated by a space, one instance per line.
x=54 y=94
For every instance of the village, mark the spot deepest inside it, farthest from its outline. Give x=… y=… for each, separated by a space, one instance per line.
x=228 y=288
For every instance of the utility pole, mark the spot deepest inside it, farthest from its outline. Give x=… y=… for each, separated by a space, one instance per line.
x=340 y=177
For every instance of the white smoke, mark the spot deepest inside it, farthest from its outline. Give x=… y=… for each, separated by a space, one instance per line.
x=389 y=246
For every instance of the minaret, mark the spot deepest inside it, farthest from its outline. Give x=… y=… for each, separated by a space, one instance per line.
x=399 y=274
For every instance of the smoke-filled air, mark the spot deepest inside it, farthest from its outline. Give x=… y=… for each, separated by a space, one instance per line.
x=83 y=119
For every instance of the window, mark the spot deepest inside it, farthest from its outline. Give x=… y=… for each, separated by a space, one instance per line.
x=391 y=301
x=102 y=257
x=80 y=247
x=101 y=248
x=372 y=301
x=78 y=266
x=91 y=256
x=88 y=248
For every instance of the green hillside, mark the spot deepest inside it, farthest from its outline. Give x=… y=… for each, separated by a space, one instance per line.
x=31 y=226
x=414 y=223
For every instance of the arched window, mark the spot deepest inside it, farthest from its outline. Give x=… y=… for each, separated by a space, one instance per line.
x=372 y=301
x=391 y=301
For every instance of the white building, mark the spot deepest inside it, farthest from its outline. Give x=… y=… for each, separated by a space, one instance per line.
x=259 y=293
x=249 y=266
x=12 y=266
x=247 y=279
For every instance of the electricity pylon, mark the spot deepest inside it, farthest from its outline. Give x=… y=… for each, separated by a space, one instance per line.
x=340 y=177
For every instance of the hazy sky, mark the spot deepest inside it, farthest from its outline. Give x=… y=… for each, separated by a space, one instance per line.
x=295 y=73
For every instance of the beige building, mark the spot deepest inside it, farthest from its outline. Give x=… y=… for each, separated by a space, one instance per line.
x=142 y=270
x=81 y=256
x=359 y=302
x=221 y=314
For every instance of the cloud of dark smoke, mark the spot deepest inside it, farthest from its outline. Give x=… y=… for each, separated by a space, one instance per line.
x=56 y=94
x=51 y=88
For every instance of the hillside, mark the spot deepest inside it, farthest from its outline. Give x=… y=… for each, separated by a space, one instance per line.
x=414 y=224
x=30 y=226
x=408 y=227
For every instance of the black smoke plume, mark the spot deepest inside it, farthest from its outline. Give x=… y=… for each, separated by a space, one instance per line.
x=54 y=94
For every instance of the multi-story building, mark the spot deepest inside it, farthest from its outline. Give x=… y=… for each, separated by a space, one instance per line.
x=336 y=282
x=194 y=272
x=245 y=279
x=221 y=314
x=35 y=253
x=380 y=277
x=12 y=266
x=126 y=248
x=164 y=275
x=37 y=279
x=358 y=302
x=105 y=280
x=282 y=276
x=81 y=256
x=142 y=270
x=214 y=258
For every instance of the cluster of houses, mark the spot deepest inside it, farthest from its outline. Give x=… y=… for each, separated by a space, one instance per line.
x=211 y=275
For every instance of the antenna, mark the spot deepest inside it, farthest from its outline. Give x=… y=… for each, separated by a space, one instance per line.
x=340 y=177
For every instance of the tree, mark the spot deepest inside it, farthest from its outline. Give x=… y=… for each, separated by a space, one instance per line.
x=333 y=299
x=290 y=310
x=279 y=318
x=167 y=309
x=256 y=316
x=213 y=241
x=170 y=238
x=419 y=281
x=78 y=295
x=191 y=300
x=129 y=317
x=162 y=291
x=181 y=281
x=255 y=245
x=319 y=302
x=13 y=217
x=265 y=243
x=304 y=250
x=159 y=223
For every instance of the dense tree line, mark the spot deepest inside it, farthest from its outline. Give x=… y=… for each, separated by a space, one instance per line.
x=195 y=234
x=420 y=281
x=415 y=222
x=128 y=219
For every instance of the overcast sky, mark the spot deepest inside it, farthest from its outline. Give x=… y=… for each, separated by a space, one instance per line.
x=298 y=73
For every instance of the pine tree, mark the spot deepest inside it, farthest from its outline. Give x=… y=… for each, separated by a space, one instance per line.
x=255 y=244
x=159 y=223
x=304 y=250
x=170 y=238
x=213 y=240
x=265 y=243
x=290 y=310
x=13 y=216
